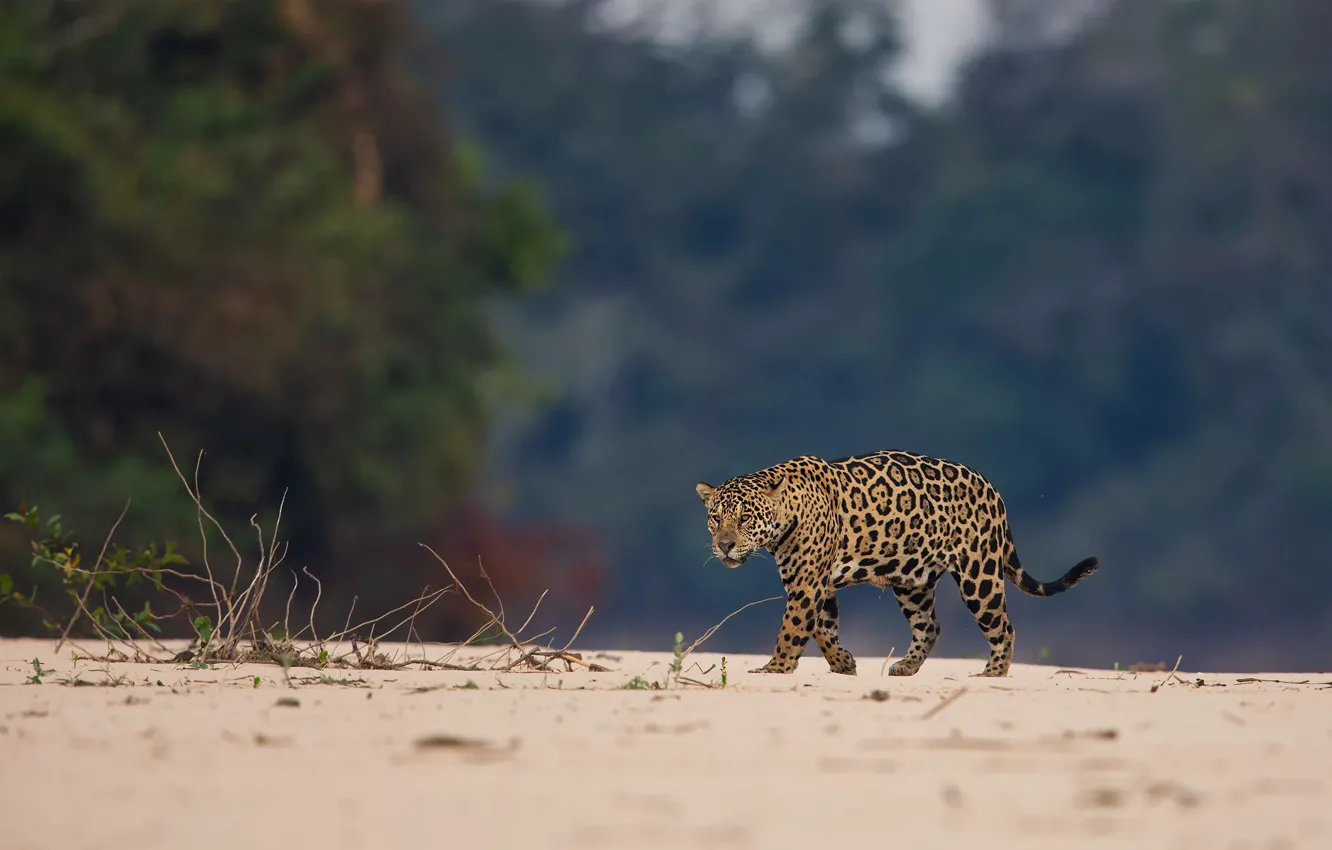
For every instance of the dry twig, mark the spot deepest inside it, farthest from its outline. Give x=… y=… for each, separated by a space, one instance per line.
x=1169 y=676
x=944 y=703
x=238 y=635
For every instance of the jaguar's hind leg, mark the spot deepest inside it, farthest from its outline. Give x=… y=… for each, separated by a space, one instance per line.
x=982 y=590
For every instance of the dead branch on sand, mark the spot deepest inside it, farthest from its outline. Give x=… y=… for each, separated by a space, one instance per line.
x=225 y=615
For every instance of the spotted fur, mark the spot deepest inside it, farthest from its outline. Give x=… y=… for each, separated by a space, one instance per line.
x=892 y=519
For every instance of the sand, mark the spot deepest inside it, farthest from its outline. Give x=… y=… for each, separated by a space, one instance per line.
x=1048 y=757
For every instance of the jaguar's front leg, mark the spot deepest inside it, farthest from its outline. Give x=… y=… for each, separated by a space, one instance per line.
x=802 y=609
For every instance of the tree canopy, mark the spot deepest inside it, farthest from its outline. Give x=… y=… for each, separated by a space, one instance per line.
x=238 y=223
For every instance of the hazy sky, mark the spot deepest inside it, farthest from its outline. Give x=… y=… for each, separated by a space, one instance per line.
x=939 y=32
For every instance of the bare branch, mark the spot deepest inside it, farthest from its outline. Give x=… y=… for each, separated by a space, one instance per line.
x=83 y=600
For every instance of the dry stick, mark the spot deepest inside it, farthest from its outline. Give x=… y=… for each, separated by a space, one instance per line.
x=414 y=635
x=286 y=611
x=578 y=630
x=319 y=594
x=499 y=601
x=422 y=602
x=1249 y=680
x=244 y=610
x=346 y=625
x=557 y=654
x=270 y=561
x=411 y=625
x=237 y=611
x=710 y=632
x=137 y=625
x=263 y=568
x=87 y=589
x=887 y=658
x=513 y=639
x=201 y=513
x=198 y=515
x=101 y=632
x=411 y=629
x=944 y=703
x=143 y=571
x=203 y=533
x=371 y=623
x=1169 y=675
x=448 y=656
x=523 y=627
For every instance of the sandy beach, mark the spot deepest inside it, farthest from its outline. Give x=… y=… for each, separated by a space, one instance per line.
x=170 y=756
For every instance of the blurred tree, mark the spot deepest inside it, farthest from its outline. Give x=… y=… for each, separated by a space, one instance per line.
x=1097 y=273
x=236 y=222
x=716 y=192
x=1156 y=289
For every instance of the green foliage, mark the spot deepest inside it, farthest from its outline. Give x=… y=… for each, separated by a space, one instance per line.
x=242 y=227
x=56 y=559
x=203 y=631
x=677 y=663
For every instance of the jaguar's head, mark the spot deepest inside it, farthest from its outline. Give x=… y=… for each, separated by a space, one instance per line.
x=743 y=515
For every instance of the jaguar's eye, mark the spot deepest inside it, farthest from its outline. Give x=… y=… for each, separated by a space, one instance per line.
x=746 y=519
x=712 y=522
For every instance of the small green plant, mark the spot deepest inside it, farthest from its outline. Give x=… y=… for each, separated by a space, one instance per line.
x=638 y=683
x=678 y=663
x=257 y=680
x=723 y=671
x=38 y=671
x=469 y=685
x=203 y=631
x=54 y=548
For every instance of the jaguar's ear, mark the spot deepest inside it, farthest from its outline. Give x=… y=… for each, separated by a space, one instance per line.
x=705 y=491
x=775 y=492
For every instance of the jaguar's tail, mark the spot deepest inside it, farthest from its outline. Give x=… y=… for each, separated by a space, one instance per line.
x=1030 y=586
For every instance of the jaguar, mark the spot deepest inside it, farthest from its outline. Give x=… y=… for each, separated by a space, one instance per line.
x=893 y=519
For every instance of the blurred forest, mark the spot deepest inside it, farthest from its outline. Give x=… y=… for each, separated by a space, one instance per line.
x=504 y=277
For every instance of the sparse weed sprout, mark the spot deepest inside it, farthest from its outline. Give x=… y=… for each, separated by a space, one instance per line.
x=38 y=671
